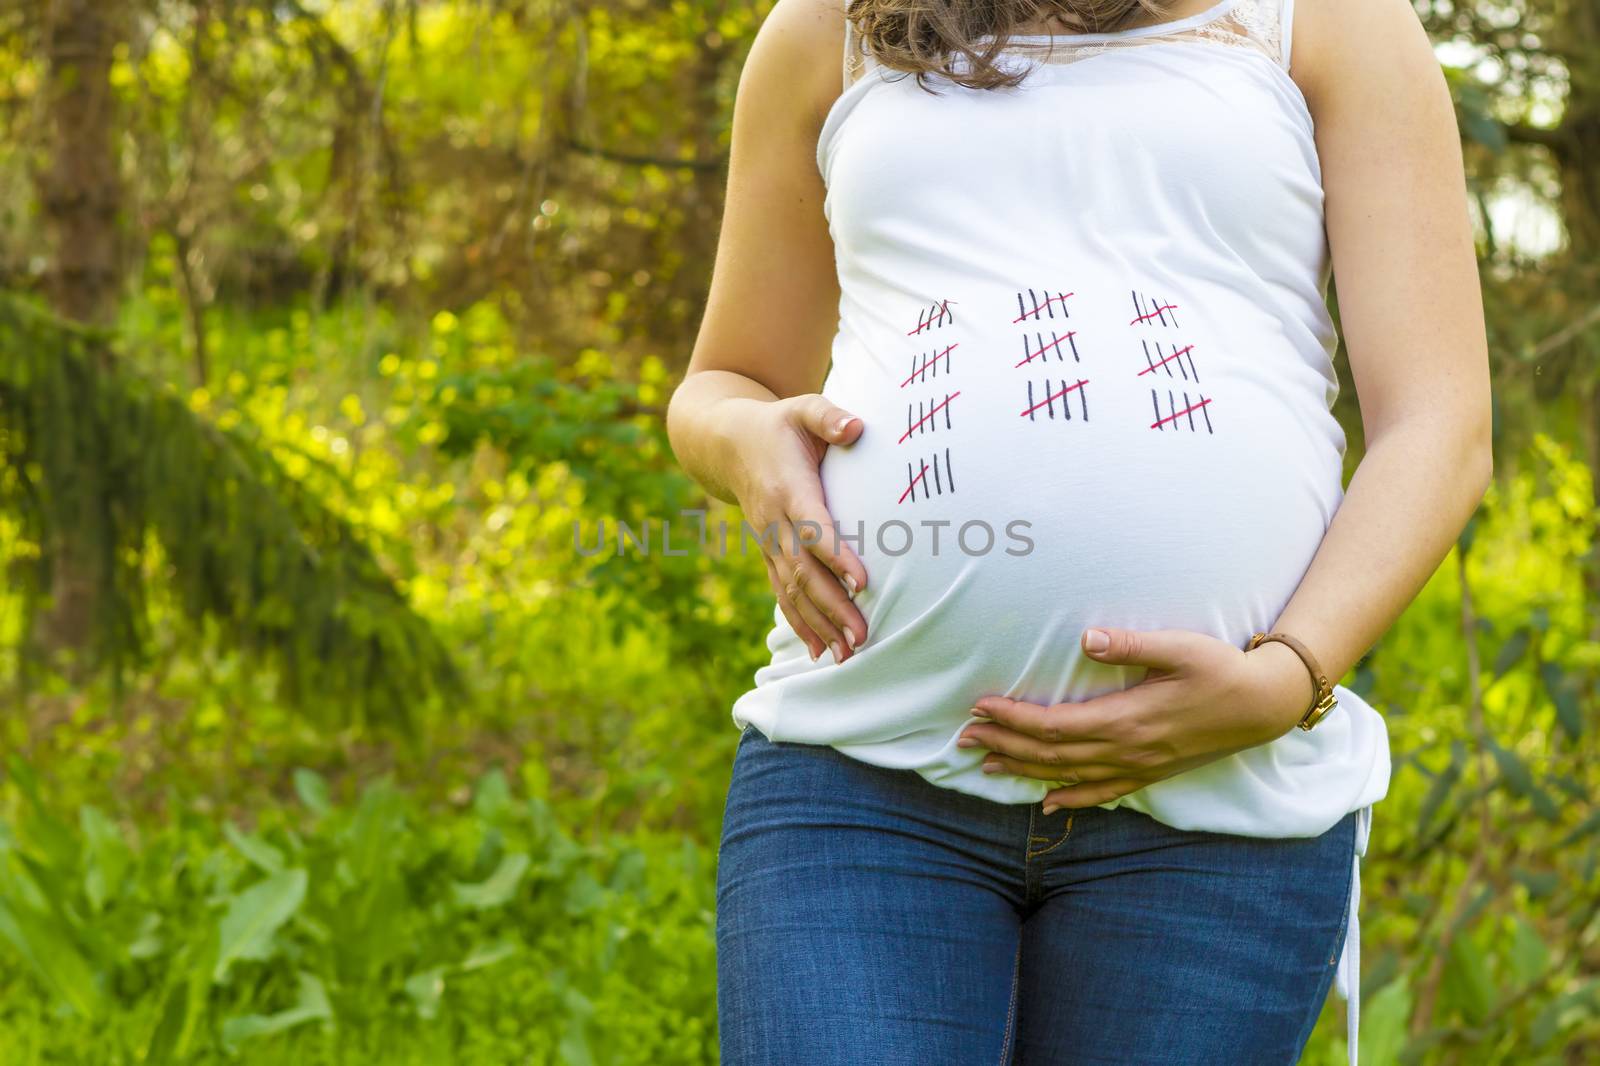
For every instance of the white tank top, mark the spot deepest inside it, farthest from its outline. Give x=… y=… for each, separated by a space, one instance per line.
x=1084 y=322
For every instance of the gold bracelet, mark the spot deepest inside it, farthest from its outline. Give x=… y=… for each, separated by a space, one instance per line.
x=1323 y=700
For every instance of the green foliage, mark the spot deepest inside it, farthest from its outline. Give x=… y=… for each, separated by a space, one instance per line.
x=98 y=459
x=598 y=439
x=486 y=934
x=1485 y=860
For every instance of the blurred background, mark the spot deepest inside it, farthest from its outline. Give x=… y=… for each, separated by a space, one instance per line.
x=323 y=321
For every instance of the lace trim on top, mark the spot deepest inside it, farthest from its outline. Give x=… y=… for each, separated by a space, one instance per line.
x=1252 y=24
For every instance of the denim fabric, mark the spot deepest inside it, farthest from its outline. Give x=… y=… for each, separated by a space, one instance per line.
x=867 y=916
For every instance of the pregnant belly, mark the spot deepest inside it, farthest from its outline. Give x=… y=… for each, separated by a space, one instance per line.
x=989 y=552
x=1144 y=476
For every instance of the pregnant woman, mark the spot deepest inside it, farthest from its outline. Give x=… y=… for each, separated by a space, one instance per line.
x=1018 y=361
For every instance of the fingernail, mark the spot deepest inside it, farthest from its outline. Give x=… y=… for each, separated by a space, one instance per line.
x=844 y=423
x=814 y=654
x=991 y=767
x=1096 y=640
x=1051 y=808
x=966 y=742
x=850 y=639
x=838 y=656
x=850 y=585
x=979 y=712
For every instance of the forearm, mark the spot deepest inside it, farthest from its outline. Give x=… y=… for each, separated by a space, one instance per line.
x=1410 y=497
x=700 y=422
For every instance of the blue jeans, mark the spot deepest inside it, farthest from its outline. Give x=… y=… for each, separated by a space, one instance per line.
x=865 y=915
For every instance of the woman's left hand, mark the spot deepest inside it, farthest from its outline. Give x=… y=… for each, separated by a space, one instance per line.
x=1203 y=699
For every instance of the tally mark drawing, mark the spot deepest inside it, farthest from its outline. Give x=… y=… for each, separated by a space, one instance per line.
x=1041 y=305
x=925 y=417
x=1174 y=357
x=1153 y=312
x=926 y=364
x=1174 y=416
x=1036 y=347
x=932 y=476
x=1052 y=395
x=929 y=477
x=933 y=316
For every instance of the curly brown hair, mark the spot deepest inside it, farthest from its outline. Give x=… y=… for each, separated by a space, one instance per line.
x=924 y=37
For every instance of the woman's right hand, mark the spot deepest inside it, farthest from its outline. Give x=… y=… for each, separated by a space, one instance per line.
x=748 y=422
x=780 y=444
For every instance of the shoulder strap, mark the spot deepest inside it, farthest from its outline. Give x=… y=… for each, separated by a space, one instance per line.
x=856 y=58
x=849 y=51
x=1261 y=23
x=1286 y=32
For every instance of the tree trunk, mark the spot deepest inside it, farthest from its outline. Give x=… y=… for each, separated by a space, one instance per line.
x=79 y=190
x=80 y=194
x=1580 y=203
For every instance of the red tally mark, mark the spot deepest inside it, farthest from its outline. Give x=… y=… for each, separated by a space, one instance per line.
x=1175 y=417
x=929 y=477
x=933 y=316
x=1037 y=347
x=1154 y=312
x=1041 y=305
x=926 y=365
x=1175 y=360
x=1036 y=306
x=1175 y=357
x=1053 y=394
x=924 y=418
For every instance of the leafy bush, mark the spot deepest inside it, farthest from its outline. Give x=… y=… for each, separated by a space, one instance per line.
x=379 y=930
